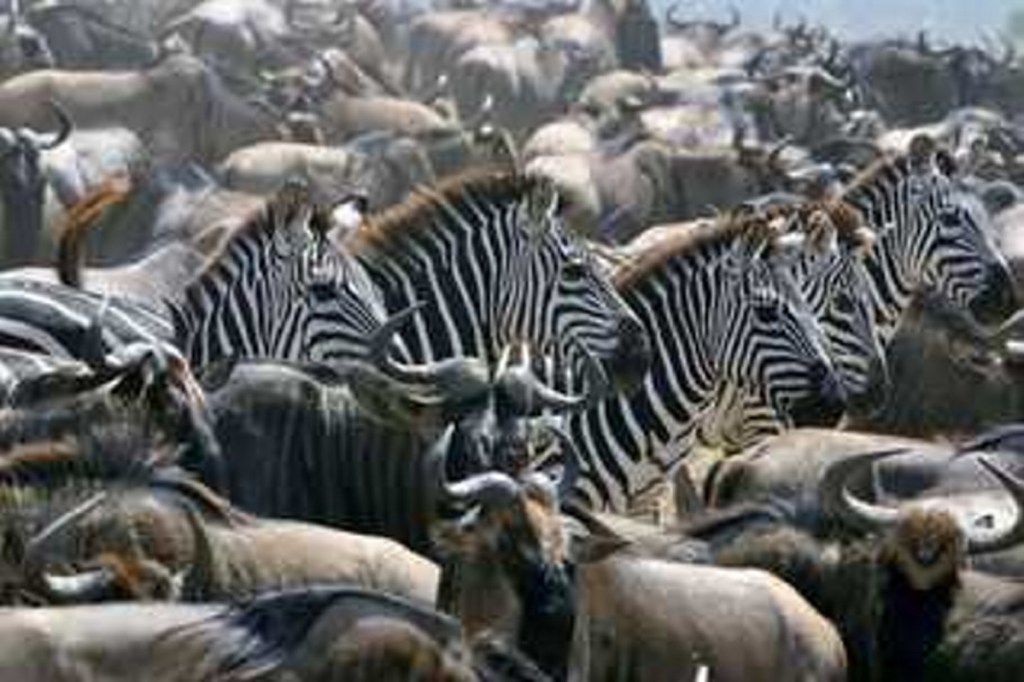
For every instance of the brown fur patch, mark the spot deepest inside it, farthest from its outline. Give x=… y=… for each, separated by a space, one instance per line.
x=701 y=234
x=927 y=546
x=79 y=219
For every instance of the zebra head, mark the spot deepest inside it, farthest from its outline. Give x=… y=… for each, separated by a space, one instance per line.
x=835 y=283
x=931 y=235
x=768 y=338
x=565 y=302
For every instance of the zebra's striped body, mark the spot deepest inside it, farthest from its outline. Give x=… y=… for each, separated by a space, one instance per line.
x=717 y=303
x=489 y=257
x=929 y=234
x=833 y=280
x=278 y=289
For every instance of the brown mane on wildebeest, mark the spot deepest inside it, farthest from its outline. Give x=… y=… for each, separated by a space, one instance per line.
x=425 y=205
x=111 y=456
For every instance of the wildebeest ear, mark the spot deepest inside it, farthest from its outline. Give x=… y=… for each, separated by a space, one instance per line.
x=588 y=549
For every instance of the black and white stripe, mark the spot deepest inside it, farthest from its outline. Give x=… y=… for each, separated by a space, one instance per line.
x=491 y=261
x=722 y=309
x=279 y=289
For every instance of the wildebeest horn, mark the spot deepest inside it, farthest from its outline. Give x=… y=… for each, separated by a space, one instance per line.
x=570 y=459
x=978 y=541
x=80 y=588
x=34 y=560
x=487 y=488
x=491 y=488
x=670 y=17
x=526 y=394
x=839 y=503
x=734 y=19
x=456 y=379
x=62 y=134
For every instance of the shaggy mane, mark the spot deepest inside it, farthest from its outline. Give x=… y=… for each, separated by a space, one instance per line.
x=418 y=211
x=694 y=237
x=51 y=470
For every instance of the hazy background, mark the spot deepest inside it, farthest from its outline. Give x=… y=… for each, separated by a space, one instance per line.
x=962 y=20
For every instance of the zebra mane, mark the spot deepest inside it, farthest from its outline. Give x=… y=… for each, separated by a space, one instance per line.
x=692 y=239
x=277 y=215
x=419 y=210
x=923 y=150
x=49 y=471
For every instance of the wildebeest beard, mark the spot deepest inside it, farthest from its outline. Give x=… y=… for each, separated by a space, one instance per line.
x=912 y=624
x=549 y=614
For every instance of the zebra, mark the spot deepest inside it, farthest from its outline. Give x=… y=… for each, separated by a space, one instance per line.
x=834 y=281
x=276 y=288
x=488 y=257
x=929 y=234
x=719 y=303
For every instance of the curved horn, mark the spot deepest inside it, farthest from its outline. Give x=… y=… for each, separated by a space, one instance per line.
x=527 y=395
x=839 y=503
x=734 y=20
x=81 y=588
x=671 y=20
x=35 y=545
x=978 y=541
x=491 y=488
x=379 y=344
x=63 y=132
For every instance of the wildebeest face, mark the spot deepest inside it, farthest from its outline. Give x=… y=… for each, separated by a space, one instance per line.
x=927 y=547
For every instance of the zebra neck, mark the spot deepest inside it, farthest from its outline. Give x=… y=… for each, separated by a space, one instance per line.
x=891 y=287
x=629 y=444
x=457 y=292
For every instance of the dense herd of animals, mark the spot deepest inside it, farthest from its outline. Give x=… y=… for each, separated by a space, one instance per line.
x=351 y=340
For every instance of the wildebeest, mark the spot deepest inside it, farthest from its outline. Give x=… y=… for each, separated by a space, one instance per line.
x=312 y=634
x=906 y=603
x=148 y=531
x=209 y=119
x=515 y=572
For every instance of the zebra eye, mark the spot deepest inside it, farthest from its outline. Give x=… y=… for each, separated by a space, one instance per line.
x=575 y=269
x=767 y=313
x=844 y=303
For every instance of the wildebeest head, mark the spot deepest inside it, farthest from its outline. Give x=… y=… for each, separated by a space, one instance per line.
x=22 y=48
x=924 y=539
x=511 y=565
x=927 y=547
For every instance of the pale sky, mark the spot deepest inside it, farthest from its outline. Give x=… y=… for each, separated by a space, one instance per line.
x=964 y=20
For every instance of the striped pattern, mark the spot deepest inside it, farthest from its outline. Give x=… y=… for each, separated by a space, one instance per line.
x=835 y=283
x=715 y=308
x=930 y=234
x=278 y=289
x=489 y=257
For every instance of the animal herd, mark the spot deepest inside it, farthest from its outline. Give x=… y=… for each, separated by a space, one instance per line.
x=503 y=340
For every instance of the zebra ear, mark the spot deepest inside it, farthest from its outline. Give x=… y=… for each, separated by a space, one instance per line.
x=921 y=152
x=786 y=247
x=543 y=204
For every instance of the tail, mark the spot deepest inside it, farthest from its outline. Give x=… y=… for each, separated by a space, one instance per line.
x=79 y=219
